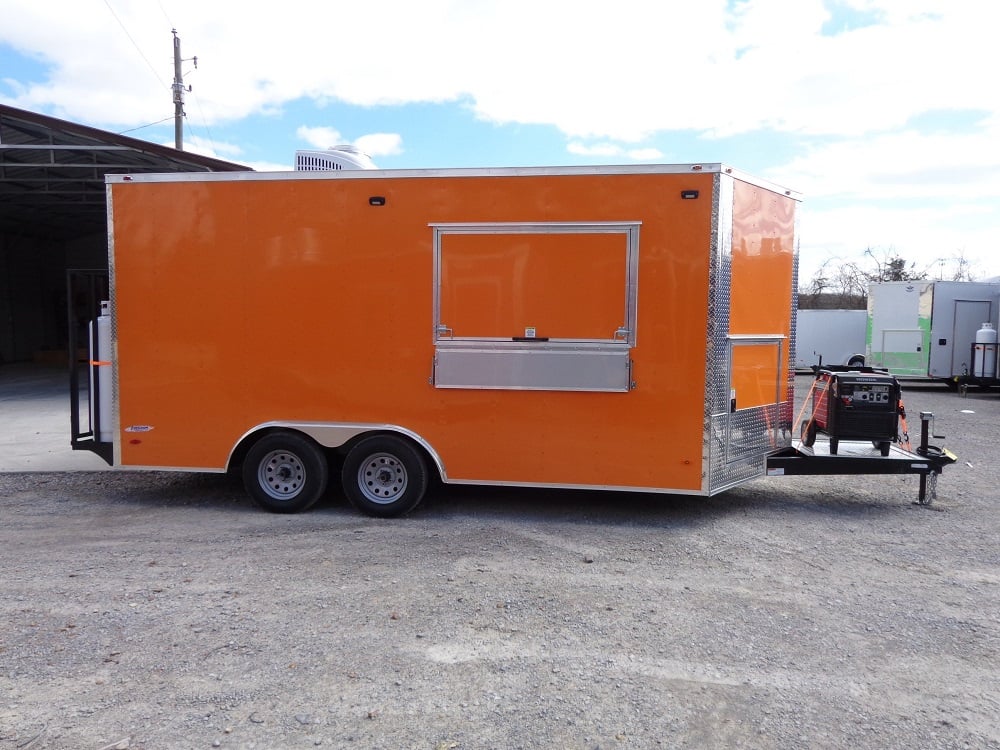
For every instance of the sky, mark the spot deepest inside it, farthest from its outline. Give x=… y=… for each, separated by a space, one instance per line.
x=881 y=113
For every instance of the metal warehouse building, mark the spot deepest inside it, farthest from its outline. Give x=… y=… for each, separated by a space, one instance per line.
x=53 y=218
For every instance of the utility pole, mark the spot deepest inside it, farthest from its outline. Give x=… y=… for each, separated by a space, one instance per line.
x=178 y=89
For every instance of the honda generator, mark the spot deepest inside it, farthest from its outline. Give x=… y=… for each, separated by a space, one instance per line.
x=854 y=404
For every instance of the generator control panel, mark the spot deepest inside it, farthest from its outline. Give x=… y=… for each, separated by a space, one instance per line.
x=870 y=393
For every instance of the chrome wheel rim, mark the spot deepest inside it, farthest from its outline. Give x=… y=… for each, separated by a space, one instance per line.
x=382 y=478
x=281 y=474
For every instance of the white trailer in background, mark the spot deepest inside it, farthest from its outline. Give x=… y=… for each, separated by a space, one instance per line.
x=927 y=329
x=830 y=337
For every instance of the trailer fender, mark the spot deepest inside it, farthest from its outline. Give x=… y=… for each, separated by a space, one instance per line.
x=332 y=435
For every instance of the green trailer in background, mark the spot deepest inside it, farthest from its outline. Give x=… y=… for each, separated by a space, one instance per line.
x=927 y=329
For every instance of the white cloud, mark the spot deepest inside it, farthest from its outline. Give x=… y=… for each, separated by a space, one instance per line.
x=647 y=66
x=610 y=77
x=645 y=154
x=208 y=147
x=900 y=165
x=923 y=195
x=202 y=146
x=267 y=166
x=319 y=137
x=380 y=144
x=595 y=149
x=373 y=144
x=613 y=151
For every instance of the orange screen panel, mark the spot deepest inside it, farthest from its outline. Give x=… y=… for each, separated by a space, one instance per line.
x=569 y=286
x=755 y=374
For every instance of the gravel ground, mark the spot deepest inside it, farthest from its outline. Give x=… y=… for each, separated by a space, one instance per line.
x=153 y=610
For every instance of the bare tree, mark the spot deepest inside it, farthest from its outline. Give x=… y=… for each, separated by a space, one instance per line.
x=888 y=266
x=834 y=286
x=845 y=285
x=955 y=268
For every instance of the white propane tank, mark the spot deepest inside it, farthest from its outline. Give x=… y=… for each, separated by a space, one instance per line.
x=984 y=364
x=100 y=357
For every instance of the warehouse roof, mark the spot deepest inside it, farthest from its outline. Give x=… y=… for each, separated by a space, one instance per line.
x=52 y=172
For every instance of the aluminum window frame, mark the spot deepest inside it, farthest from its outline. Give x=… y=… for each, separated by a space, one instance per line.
x=630 y=229
x=521 y=363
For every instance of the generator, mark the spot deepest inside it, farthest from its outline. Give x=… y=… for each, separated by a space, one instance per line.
x=854 y=404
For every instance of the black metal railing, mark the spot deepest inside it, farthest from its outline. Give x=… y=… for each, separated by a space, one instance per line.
x=86 y=289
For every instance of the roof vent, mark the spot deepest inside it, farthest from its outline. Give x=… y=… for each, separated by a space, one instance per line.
x=338 y=157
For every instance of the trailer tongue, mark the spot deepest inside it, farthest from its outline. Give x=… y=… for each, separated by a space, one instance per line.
x=861 y=410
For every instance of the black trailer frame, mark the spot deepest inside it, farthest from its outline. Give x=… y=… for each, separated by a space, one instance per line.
x=927 y=460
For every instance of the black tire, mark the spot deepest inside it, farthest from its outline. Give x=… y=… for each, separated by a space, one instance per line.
x=856 y=362
x=385 y=476
x=884 y=446
x=285 y=472
x=808 y=433
x=834 y=444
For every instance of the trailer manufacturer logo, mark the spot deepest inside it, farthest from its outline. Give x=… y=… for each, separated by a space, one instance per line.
x=139 y=428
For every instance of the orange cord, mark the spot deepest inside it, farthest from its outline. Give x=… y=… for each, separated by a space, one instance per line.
x=808 y=400
x=905 y=437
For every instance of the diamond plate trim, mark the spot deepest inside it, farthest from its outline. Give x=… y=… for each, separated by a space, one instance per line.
x=736 y=444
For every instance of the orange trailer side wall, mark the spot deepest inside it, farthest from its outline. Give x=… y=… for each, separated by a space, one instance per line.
x=763 y=267
x=240 y=302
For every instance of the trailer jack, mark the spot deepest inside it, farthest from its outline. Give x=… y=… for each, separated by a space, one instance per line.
x=940 y=456
x=857 y=457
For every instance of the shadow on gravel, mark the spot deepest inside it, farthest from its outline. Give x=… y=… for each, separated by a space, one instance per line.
x=139 y=488
x=198 y=491
x=642 y=509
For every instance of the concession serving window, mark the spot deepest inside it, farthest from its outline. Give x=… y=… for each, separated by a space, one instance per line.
x=535 y=306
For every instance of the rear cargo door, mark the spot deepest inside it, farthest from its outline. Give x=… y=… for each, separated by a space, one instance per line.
x=969 y=317
x=900 y=317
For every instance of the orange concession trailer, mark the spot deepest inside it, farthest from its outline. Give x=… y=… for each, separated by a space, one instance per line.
x=621 y=328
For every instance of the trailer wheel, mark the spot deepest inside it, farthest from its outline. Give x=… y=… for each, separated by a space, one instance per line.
x=808 y=433
x=384 y=476
x=285 y=472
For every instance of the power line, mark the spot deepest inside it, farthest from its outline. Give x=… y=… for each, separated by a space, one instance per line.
x=137 y=48
x=164 y=12
x=149 y=125
x=204 y=122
